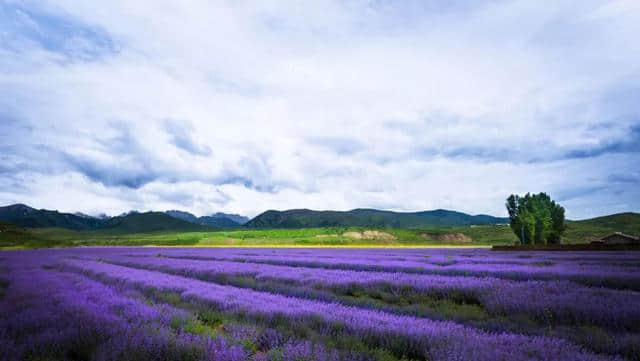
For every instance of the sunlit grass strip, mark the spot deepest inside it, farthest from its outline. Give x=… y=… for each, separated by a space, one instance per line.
x=331 y=237
x=325 y=246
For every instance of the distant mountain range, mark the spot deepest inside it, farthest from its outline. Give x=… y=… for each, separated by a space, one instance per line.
x=134 y=222
x=303 y=218
x=25 y=216
x=15 y=216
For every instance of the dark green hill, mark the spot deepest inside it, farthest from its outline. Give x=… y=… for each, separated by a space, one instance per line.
x=149 y=222
x=304 y=218
x=134 y=222
x=594 y=228
x=25 y=216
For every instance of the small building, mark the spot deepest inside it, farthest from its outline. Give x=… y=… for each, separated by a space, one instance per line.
x=620 y=238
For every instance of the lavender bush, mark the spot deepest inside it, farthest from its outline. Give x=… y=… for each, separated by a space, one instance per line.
x=268 y=304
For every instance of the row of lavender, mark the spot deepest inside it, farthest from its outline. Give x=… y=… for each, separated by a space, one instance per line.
x=53 y=315
x=550 y=306
x=564 y=301
x=48 y=314
x=417 y=337
x=128 y=273
x=611 y=269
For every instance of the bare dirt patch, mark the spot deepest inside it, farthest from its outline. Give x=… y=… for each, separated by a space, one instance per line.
x=447 y=237
x=371 y=235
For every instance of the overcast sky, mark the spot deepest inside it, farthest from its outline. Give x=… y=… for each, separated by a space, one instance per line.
x=243 y=106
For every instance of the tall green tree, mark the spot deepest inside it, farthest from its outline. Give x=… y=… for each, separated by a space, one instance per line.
x=536 y=218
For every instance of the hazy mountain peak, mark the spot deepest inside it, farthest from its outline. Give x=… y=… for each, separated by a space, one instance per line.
x=83 y=215
x=217 y=219
x=234 y=217
x=20 y=207
x=186 y=216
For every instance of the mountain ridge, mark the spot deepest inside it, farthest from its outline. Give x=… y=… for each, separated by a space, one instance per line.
x=25 y=216
x=140 y=222
x=366 y=217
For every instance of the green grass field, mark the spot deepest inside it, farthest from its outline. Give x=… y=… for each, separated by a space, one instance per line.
x=310 y=237
x=577 y=232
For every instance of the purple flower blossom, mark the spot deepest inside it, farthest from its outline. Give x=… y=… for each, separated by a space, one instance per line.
x=89 y=303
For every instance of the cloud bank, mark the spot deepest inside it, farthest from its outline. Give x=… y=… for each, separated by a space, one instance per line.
x=242 y=106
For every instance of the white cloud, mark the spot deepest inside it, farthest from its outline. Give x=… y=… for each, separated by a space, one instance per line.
x=327 y=104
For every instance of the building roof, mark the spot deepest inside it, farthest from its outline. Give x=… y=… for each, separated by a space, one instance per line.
x=620 y=234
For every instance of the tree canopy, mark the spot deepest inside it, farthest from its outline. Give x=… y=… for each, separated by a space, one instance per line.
x=536 y=218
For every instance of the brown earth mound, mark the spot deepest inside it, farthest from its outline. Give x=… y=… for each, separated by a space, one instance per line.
x=447 y=237
x=377 y=235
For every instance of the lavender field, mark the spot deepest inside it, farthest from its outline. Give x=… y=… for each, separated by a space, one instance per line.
x=318 y=304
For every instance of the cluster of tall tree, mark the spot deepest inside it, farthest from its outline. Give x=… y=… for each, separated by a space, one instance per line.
x=536 y=218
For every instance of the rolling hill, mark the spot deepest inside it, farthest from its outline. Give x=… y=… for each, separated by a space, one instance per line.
x=133 y=222
x=304 y=218
x=595 y=228
x=25 y=216
x=149 y=222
